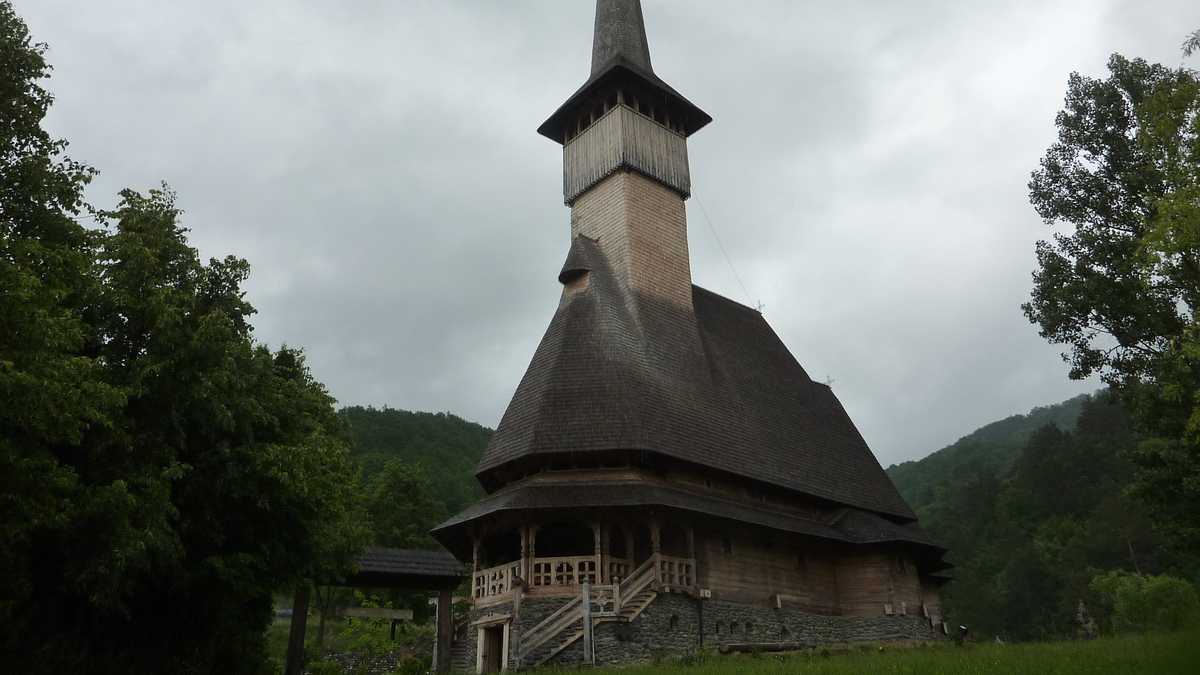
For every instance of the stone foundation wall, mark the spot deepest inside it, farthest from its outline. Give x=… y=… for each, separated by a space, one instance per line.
x=731 y=623
x=672 y=626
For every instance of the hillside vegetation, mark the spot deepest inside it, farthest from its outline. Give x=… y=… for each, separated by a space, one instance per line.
x=444 y=448
x=1035 y=511
x=989 y=450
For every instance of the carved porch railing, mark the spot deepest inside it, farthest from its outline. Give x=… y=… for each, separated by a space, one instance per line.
x=618 y=568
x=564 y=571
x=495 y=581
x=677 y=572
x=664 y=570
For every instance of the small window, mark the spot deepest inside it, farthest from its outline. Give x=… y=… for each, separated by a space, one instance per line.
x=674 y=621
x=726 y=546
x=749 y=628
x=718 y=628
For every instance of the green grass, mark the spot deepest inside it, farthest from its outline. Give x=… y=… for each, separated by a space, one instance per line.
x=1150 y=654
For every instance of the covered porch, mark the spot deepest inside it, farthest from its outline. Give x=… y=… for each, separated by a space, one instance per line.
x=557 y=558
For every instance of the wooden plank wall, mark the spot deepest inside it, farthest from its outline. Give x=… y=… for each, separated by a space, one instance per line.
x=868 y=581
x=813 y=576
x=760 y=567
x=623 y=137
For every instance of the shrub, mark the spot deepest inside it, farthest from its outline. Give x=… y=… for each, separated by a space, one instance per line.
x=1138 y=603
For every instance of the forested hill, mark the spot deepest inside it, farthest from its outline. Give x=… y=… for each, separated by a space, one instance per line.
x=1035 y=512
x=445 y=446
x=989 y=450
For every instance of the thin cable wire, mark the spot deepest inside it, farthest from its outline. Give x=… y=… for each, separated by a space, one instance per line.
x=725 y=253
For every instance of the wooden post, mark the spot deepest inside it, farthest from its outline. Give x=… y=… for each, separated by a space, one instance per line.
x=589 y=656
x=598 y=553
x=445 y=633
x=656 y=548
x=525 y=552
x=295 y=653
x=691 y=544
x=533 y=530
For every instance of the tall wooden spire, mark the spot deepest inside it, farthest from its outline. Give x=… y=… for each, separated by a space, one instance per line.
x=620 y=36
x=620 y=66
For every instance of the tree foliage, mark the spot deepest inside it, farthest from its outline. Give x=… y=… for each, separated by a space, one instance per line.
x=162 y=474
x=1119 y=283
x=1139 y=603
x=447 y=446
x=1028 y=539
x=402 y=506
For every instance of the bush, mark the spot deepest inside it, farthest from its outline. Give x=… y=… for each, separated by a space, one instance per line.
x=1138 y=603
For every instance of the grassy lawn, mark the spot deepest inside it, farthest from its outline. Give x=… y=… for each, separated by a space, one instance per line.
x=1152 y=654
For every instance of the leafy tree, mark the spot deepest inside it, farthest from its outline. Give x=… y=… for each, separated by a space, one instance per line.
x=50 y=394
x=1119 y=285
x=1028 y=537
x=1136 y=603
x=160 y=472
x=441 y=440
x=402 y=507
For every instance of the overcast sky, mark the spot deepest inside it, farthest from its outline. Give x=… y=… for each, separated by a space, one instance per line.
x=377 y=164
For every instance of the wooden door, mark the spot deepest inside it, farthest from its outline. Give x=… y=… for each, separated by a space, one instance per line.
x=493 y=648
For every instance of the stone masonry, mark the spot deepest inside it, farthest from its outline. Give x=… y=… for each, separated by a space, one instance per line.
x=672 y=626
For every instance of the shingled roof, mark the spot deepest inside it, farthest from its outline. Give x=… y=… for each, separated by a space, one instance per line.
x=845 y=525
x=415 y=562
x=710 y=385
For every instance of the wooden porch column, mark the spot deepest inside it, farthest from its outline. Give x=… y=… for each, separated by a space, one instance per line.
x=598 y=552
x=525 y=552
x=445 y=632
x=656 y=548
x=295 y=653
x=533 y=532
x=691 y=544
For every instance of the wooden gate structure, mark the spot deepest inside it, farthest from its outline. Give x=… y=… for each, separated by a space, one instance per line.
x=402 y=569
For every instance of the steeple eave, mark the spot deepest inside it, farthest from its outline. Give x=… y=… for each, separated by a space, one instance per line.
x=621 y=62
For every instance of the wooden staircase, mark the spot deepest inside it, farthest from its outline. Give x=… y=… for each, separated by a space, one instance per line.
x=565 y=627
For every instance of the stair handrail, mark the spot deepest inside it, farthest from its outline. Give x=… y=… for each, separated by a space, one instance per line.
x=639 y=579
x=547 y=628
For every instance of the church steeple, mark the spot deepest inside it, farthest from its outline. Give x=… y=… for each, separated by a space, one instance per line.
x=625 y=161
x=620 y=35
x=621 y=72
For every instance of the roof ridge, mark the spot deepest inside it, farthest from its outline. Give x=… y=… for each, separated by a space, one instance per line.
x=731 y=301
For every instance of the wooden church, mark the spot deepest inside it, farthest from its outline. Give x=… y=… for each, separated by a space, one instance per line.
x=667 y=477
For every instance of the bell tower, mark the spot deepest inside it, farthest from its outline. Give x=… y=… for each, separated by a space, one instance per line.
x=625 y=165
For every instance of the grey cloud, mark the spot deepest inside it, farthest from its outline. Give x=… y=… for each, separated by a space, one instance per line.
x=377 y=164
